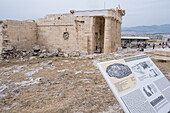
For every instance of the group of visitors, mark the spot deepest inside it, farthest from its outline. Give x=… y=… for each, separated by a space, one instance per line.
x=162 y=45
x=143 y=45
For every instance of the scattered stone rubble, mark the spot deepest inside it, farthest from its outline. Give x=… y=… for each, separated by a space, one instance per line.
x=10 y=52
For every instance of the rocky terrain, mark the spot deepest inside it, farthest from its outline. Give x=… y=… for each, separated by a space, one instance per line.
x=61 y=84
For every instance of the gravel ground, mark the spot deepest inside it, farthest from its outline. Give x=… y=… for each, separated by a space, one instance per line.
x=61 y=84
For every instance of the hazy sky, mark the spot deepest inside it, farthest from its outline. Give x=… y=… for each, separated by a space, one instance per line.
x=138 y=12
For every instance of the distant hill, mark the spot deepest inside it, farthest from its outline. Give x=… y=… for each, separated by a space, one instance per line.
x=154 y=28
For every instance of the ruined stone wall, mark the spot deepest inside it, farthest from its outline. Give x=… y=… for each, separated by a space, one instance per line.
x=64 y=31
x=0 y=36
x=20 y=34
x=75 y=31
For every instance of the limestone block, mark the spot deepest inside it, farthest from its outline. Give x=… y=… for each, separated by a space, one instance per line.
x=162 y=58
x=163 y=52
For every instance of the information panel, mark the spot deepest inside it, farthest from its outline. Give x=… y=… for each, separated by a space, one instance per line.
x=138 y=85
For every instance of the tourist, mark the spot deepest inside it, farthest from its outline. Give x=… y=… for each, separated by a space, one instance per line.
x=153 y=45
x=148 y=44
x=142 y=48
x=100 y=49
x=163 y=45
x=166 y=44
x=145 y=44
x=160 y=44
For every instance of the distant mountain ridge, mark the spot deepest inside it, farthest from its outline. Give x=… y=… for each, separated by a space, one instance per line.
x=165 y=28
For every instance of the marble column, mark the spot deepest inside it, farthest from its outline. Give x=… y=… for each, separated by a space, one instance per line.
x=114 y=37
x=119 y=34
x=107 y=35
x=91 y=36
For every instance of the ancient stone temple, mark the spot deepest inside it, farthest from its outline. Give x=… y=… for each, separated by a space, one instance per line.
x=87 y=31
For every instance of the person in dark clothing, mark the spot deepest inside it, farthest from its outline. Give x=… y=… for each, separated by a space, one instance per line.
x=153 y=45
x=160 y=44
x=166 y=44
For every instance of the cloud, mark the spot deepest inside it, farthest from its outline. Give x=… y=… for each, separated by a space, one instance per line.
x=138 y=12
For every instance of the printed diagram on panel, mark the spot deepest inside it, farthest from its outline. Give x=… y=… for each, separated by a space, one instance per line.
x=154 y=73
x=118 y=70
x=145 y=68
x=149 y=90
x=141 y=67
